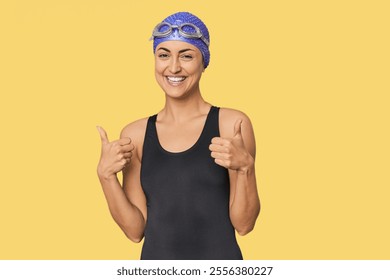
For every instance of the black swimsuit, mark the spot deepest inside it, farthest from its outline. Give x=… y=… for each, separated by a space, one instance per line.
x=187 y=197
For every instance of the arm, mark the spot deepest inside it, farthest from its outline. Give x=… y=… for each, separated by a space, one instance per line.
x=127 y=205
x=244 y=199
x=236 y=150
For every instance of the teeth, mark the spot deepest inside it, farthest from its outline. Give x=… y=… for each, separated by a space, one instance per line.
x=176 y=79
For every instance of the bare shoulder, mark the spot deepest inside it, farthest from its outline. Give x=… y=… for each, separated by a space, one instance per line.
x=135 y=129
x=136 y=132
x=228 y=118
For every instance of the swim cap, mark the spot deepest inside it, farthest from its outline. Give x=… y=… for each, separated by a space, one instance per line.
x=186 y=27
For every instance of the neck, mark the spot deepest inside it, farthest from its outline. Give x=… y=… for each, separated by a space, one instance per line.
x=181 y=110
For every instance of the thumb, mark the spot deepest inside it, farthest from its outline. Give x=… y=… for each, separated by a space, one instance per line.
x=237 y=127
x=103 y=134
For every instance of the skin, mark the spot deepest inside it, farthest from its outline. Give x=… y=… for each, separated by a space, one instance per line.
x=179 y=125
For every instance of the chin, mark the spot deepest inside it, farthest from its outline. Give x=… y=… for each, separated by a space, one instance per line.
x=177 y=94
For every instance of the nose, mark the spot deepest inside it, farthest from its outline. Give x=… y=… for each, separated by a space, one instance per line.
x=174 y=66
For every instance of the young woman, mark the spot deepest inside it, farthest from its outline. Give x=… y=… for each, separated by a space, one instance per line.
x=189 y=171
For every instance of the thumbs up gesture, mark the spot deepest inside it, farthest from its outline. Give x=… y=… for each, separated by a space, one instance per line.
x=231 y=152
x=115 y=155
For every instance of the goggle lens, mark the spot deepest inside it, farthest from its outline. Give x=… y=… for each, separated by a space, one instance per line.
x=187 y=30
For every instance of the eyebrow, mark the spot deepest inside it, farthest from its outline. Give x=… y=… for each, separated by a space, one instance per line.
x=181 y=51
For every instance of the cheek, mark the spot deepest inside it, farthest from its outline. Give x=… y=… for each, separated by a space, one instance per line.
x=158 y=76
x=159 y=65
x=158 y=68
x=198 y=68
x=197 y=71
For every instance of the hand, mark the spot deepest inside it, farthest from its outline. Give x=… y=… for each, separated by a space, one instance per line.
x=115 y=155
x=231 y=152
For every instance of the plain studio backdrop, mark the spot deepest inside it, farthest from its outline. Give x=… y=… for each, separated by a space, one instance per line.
x=313 y=76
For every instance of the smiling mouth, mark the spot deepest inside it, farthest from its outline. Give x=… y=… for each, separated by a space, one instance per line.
x=176 y=80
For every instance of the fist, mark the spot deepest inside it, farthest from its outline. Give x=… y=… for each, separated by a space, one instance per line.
x=115 y=155
x=231 y=152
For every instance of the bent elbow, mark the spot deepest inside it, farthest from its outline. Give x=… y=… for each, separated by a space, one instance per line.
x=134 y=238
x=246 y=227
x=244 y=231
x=132 y=232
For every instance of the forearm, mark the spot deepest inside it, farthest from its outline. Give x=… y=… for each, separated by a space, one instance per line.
x=126 y=215
x=245 y=206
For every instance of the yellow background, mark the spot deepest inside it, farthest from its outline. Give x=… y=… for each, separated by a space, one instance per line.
x=312 y=75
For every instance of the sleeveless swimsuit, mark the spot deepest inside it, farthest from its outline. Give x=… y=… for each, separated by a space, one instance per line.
x=187 y=197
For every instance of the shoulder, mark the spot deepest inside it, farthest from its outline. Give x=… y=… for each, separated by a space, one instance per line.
x=135 y=128
x=136 y=132
x=227 y=119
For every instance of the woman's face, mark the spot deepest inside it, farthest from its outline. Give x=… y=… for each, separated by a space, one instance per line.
x=178 y=68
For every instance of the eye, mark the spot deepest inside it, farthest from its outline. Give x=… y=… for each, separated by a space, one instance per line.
x=187 y=56
x=163 y=55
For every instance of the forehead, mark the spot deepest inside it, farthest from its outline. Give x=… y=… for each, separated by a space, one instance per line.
x=176 y=46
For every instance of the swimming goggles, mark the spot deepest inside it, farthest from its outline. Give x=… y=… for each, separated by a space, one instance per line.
x=191 y=31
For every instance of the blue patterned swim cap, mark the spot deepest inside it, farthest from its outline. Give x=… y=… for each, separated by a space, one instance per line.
x=186 y=27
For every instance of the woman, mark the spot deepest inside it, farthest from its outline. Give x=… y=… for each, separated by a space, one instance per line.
x=188 y=171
